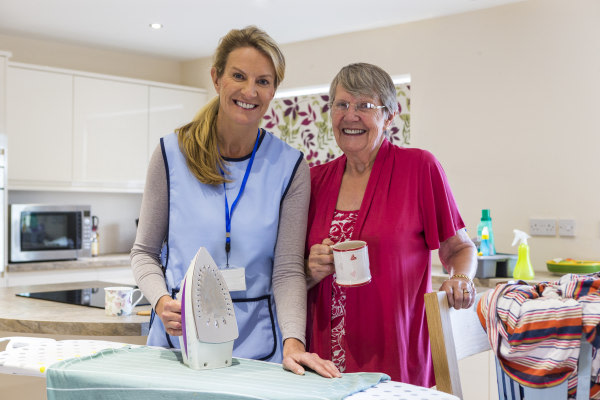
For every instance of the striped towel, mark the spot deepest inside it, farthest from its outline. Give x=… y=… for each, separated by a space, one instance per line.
x=535 y=330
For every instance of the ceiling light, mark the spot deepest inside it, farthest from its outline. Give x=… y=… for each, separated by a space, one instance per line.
x=156 y=26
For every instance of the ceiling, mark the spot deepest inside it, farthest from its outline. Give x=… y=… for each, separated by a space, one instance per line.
x=192 y=28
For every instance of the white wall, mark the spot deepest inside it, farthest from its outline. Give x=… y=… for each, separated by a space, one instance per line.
x=506 y=98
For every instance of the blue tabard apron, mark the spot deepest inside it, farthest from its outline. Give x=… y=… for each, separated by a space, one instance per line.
x=197 y=219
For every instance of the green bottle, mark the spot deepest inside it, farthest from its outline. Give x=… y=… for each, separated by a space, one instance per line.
x=486 y=221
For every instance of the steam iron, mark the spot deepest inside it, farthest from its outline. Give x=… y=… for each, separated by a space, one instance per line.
x=208 y=320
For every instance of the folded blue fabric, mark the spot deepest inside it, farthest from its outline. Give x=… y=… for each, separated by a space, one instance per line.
x=156 y=373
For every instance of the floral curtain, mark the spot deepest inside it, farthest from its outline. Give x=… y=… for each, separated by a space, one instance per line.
x=304 y=123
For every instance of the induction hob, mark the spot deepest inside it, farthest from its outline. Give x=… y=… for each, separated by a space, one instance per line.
x=90 y=297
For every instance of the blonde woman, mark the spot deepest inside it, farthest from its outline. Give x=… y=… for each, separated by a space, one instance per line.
x=222 y=183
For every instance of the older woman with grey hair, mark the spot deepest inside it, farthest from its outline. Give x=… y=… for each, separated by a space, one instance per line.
x=398 y=201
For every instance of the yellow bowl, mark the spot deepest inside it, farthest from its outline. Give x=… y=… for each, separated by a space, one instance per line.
x=570 y=266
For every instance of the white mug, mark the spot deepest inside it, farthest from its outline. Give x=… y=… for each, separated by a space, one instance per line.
x=118 y=300
x=351 y=260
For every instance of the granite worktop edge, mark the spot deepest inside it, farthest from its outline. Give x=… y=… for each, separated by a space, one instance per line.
x=102 y=261
x=29 y=315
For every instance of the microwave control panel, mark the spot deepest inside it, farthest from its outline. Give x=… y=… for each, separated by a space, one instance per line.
x=86 y=231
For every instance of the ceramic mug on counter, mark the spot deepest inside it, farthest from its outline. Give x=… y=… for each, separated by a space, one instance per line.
x=118 y=300
x=351 y=260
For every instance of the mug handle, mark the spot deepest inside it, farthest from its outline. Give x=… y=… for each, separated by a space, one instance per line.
x=139 y=298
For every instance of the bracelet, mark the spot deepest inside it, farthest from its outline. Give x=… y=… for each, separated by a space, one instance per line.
x=462 y=276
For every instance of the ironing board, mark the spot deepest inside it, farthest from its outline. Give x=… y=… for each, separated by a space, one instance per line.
x=96 y=369
x=155 y=373
x=33 y=355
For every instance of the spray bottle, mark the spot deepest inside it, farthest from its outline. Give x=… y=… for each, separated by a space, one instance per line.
x=523 y=269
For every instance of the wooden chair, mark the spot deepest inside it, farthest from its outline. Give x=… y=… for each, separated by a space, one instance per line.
x=457 y=334
x=453 y=335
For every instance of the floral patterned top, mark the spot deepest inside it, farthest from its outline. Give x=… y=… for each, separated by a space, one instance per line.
x=341 y=230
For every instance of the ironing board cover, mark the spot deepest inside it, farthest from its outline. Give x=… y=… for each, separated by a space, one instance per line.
x=32 y=355
x=156 y=373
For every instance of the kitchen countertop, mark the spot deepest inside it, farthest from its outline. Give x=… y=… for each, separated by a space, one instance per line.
x=438 y=276
x=27 y=315
x=122 y=260
x=107 y=260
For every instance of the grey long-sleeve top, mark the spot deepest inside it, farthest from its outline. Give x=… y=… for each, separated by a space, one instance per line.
x=289 y=284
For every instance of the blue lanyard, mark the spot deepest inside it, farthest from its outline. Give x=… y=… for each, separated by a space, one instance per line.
x=228 y=213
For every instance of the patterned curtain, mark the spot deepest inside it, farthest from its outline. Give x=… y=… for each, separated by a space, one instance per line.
x=303 y=122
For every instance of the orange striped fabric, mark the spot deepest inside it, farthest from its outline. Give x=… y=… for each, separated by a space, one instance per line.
x=535 y=330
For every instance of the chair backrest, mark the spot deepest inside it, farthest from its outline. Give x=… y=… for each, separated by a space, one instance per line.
x=454 y=335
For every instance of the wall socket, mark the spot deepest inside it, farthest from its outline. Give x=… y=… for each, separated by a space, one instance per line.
x=542 y=227
x=566 y=227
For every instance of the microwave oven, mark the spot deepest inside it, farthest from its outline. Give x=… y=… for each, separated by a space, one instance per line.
x=46 y=232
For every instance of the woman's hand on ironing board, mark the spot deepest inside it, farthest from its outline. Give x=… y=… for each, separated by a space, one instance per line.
x=320 y=263
x=169 y=311
x=295 y=357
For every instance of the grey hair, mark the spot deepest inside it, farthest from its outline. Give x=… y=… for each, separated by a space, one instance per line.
x=362 y=79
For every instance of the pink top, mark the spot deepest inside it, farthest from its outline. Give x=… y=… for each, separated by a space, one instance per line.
x=341 y=230
x=407 y=211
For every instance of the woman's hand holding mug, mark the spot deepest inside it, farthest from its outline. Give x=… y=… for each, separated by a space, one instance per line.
x=320 y=262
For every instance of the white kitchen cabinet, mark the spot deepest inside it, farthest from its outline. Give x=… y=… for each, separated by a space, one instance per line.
x=3 y=61
x=72 y=130
x=169 y=110
x=110 y=125
x=3 y=230
x=39 y=126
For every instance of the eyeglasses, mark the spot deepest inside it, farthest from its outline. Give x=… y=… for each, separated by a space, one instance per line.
x=363 y=107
